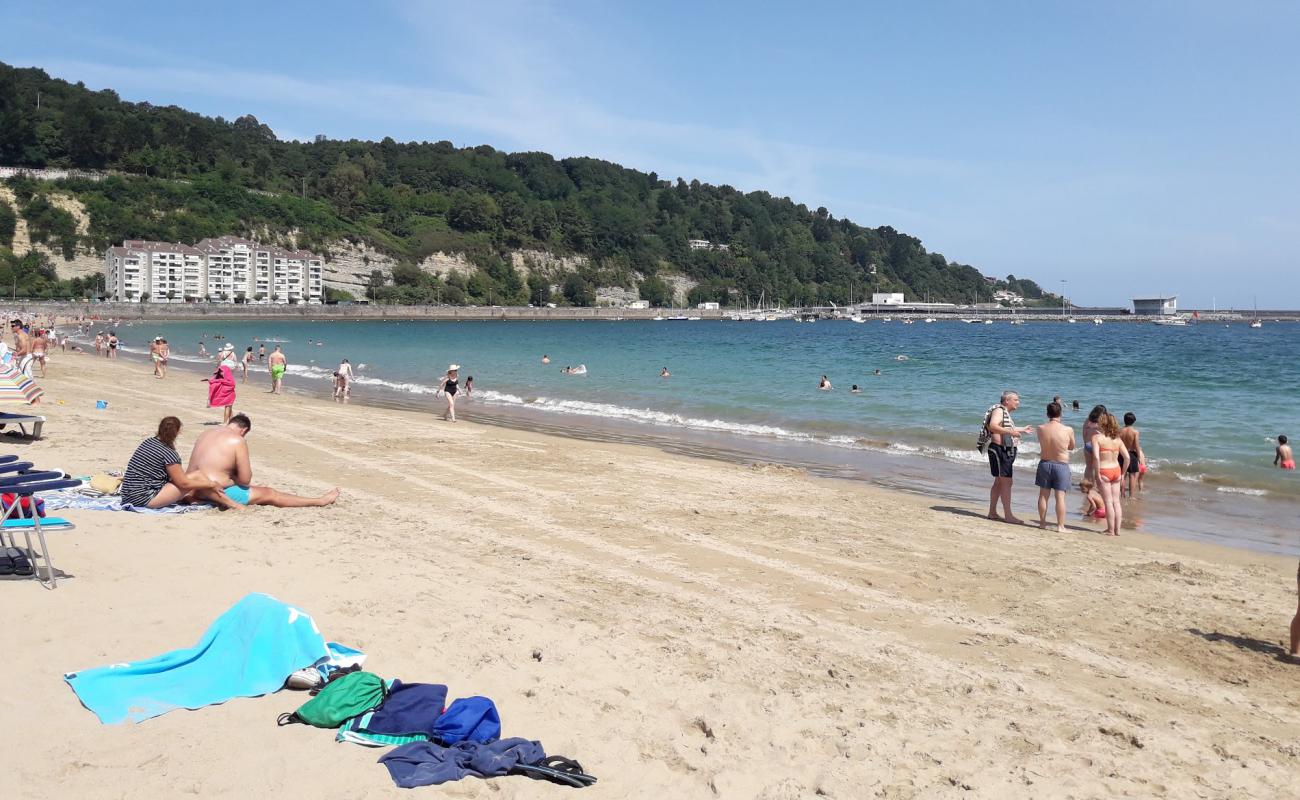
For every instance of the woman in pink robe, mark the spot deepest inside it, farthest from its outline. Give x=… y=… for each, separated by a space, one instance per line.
x=221 y=391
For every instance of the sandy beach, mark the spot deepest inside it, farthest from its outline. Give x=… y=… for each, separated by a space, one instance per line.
x=683 y=627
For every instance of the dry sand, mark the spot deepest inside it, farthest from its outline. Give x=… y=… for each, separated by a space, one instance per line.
x=685 y=628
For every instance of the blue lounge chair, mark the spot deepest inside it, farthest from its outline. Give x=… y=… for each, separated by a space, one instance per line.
x=26 y=485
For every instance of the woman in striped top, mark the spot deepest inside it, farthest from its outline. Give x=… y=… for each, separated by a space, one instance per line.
x=154 y=477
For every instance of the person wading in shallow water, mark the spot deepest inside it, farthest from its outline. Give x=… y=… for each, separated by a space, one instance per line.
x=449 y=386
x=1004 y=439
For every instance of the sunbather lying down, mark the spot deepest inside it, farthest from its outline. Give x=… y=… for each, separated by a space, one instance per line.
x=220 y=456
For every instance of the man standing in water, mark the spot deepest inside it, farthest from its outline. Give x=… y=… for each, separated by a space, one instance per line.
x=1056 y=441
x=1004 y=439
x=278 y=364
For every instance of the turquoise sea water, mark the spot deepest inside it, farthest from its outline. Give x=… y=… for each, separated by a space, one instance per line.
x=1210 y=399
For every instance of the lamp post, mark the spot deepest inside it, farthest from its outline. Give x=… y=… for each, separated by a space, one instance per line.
x=1063 y=282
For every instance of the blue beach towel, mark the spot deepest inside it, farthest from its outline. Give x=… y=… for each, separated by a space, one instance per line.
x=469 y=719
x=248 y=651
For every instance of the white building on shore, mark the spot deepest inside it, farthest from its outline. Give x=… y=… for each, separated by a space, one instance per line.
x=222 y=270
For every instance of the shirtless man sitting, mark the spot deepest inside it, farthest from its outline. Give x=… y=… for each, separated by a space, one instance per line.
x=221 y=455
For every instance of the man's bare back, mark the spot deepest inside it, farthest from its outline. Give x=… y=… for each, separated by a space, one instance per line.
x=1055 y=441
x=221 y=454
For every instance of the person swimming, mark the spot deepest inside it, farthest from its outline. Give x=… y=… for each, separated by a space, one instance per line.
x=546 y=359
x=664 y=373
x=876 y=373
x=825 y=384
x=900 y=357
x=855 y=390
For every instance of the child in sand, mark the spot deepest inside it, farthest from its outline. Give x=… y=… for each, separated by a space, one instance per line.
x=1283 y=457
x=1093 y=504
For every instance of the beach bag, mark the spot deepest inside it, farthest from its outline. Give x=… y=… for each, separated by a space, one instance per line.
x=472 y=719
x=982 y=443
x=105 y=483
x=347 y=696
x=25 y=506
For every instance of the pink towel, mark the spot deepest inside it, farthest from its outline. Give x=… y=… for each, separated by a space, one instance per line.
x=221 y=388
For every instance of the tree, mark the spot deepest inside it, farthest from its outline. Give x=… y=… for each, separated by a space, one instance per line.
x=473 y=212
x=578 y=291
x=344 y=186
x=656 y=291
x=539 y=289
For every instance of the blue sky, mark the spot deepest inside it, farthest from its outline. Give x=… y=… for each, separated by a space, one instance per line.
x=1124 y=147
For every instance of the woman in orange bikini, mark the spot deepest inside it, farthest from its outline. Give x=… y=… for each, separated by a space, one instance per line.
x=1112 y=460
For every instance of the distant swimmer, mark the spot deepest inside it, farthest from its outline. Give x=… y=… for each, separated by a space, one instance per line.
x=900 y=358
x=664 y=373
x=855 y=389
x=469 y=386
x=1075 y=405
x=546 y=359
x=825 y=384
x=1283 y=457
x=876 y=373
x=581 y=369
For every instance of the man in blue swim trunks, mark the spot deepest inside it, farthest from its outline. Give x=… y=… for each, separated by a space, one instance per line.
x=1055 y=442
x=221 y=454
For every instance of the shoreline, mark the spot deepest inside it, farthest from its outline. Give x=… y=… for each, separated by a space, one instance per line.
x=802 y=636
x=163 y=312
x=1172 y=509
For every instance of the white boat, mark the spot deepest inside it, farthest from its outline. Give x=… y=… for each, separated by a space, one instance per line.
x=1072 y=320
x=1172 y=322
x=909 y=321
x=678 y=318
x=1097 y=321
x=856 y=318
x=929 y=319
x=1017 y=322
x=695 y=319
x=886 y=319
x=971 y=321
x=988 y=322
x=1257 y=322
x=658 y=318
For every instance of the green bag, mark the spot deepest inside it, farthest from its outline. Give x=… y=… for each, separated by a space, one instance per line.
x=340 y=700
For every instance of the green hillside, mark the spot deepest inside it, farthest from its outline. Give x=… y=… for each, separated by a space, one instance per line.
x=187 y=176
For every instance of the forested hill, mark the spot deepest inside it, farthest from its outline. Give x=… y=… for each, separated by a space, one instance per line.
x=413 y=199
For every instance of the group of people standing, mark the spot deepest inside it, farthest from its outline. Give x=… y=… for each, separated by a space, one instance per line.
x=1115 y=462
x=30 y=347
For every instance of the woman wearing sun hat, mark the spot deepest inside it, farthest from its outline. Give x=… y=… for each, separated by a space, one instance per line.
x=448 y=386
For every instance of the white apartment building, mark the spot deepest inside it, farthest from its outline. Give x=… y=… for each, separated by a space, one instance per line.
x=221 y=270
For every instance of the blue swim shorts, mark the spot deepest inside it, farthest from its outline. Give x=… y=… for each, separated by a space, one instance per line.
x=238 y=493
x=1051 y=475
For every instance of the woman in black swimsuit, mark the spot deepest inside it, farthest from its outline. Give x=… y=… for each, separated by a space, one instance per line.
x=448 y=386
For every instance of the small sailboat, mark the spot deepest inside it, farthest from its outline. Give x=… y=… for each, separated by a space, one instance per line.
x=1097 y=321
x=929 y=319
x=1257 y=322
